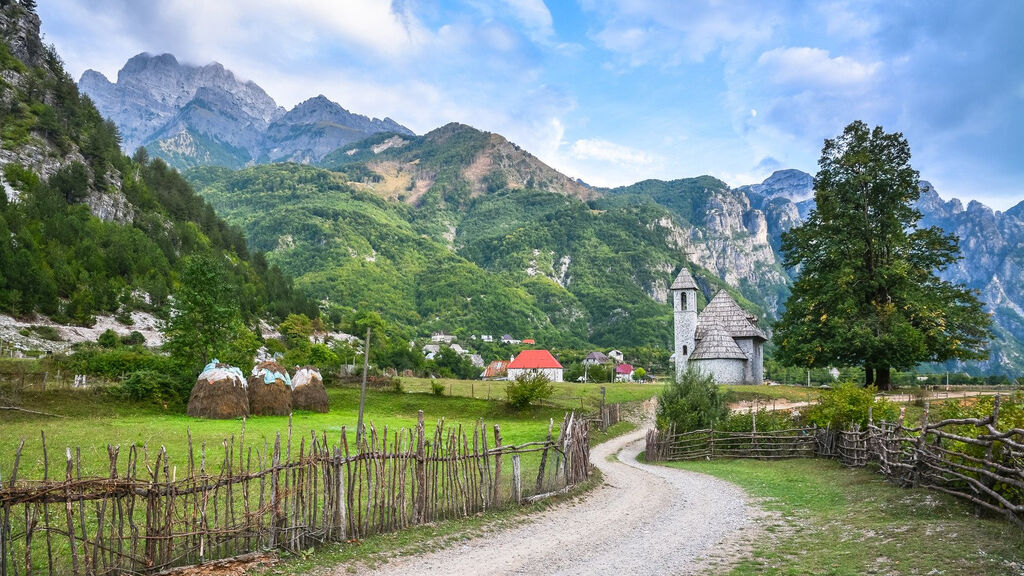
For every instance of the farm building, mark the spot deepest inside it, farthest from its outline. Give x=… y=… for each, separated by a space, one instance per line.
x=596 y=358
x=535 y=362
x=219 y=392
x=496 y=370
x=722 y=340
x=308 y=392
x=270 y=390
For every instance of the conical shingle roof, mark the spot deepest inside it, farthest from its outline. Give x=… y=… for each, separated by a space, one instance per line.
x=725 y=312
x=684 y=281
x=717 y=344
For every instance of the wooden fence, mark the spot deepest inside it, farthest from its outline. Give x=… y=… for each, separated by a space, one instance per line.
x=970 y=458
x=151 y=514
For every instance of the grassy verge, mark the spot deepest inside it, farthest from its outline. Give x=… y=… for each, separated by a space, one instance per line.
x=838 y=521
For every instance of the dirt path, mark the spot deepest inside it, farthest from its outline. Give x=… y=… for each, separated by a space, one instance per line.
x=643 y=520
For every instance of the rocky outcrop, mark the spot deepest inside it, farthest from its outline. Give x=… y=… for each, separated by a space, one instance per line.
x=204 y=115
x=20 y=29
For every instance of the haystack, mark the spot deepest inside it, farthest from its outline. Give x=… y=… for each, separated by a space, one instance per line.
x=219 y=392
x=270 y=390
x=308 y=392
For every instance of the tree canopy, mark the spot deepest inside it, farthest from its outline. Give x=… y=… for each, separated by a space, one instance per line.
x=868 y=291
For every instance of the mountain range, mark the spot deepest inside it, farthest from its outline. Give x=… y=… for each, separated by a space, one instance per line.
x=462 y=230
x=204 y=115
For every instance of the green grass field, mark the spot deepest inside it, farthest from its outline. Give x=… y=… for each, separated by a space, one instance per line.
x=568 y=395
x=840 y=521
x=94 y=419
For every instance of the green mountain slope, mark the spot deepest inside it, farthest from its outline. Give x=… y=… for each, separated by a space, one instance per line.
x=519 y=260
x=84 y=229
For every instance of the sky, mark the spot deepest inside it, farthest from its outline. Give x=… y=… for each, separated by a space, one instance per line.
x=618 y=91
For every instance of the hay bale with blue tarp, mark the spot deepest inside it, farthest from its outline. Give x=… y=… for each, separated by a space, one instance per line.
x=219 y=393
x=270 y=390
x=308 y=392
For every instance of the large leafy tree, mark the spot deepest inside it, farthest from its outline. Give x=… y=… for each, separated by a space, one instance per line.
x=206 y=321
x=868 y=292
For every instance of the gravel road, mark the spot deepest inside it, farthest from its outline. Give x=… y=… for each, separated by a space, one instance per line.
x=643 y=520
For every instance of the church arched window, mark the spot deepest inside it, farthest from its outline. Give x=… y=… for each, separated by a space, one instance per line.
x=685 y=352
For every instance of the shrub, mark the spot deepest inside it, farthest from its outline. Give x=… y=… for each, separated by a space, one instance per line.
x=134 y=339
x=396 y=385
x=528 y=389
x=847 y=404
x=691 y=402
x=436 y=387
x=108 y=339
x=153 y=385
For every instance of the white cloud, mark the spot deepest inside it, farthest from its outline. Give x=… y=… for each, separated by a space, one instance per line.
x=534 y=15
x=605 y=151
x=814 y=67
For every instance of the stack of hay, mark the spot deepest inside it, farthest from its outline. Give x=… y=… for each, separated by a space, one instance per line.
x=308 y=392
x=219 y=392
x=270 y=390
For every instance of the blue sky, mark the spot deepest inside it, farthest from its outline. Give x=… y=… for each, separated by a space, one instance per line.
x=618 y=91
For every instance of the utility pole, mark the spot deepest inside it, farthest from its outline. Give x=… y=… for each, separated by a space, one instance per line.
x=362 y=392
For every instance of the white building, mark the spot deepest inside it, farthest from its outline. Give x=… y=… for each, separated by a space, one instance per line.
x=535 y=362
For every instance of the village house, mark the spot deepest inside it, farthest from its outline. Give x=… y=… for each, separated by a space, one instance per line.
x=616 y=356
x=722 y=340
x=442 y=337
x=535 y=362
x=624 y=373
x=595 y=358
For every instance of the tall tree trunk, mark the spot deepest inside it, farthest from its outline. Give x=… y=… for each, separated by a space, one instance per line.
x=882 y=379
x=869 y=376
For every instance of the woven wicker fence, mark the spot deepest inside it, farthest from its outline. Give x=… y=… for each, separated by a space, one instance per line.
x=151 y=514
x=970 y=458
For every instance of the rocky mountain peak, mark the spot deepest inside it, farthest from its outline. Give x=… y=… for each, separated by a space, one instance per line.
x=794 y=185
x=199 y=115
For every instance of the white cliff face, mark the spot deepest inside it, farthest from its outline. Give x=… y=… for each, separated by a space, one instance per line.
x=734 y=244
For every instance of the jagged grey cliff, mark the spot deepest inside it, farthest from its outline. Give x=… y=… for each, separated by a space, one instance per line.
x=204 y=115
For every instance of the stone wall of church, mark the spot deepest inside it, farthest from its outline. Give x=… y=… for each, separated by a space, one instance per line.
x=724 y=370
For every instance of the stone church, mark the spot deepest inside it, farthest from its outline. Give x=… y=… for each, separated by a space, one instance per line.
x=722 y=340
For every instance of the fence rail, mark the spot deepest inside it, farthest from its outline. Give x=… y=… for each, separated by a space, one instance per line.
x=970 y=458
x=150 y=514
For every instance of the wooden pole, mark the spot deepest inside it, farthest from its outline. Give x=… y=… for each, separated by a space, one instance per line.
x=362 y=392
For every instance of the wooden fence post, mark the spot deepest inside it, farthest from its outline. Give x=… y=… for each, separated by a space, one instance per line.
x=419 y=514
x=496 y=498
x=517 y=485
x=544 y=457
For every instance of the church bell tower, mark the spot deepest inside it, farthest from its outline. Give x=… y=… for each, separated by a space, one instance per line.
x=684 y=306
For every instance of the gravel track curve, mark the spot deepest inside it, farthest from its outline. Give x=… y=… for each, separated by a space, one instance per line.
x=642 y=520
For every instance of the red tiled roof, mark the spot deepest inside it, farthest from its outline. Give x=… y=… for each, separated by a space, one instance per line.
x=528 y=341
x=531 y=359
x=624 y=369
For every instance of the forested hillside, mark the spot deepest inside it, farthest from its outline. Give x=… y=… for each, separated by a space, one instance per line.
x=85 y=229
x=414 y=229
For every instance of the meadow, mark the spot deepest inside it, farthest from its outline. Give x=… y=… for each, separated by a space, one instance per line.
x=93 y=419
